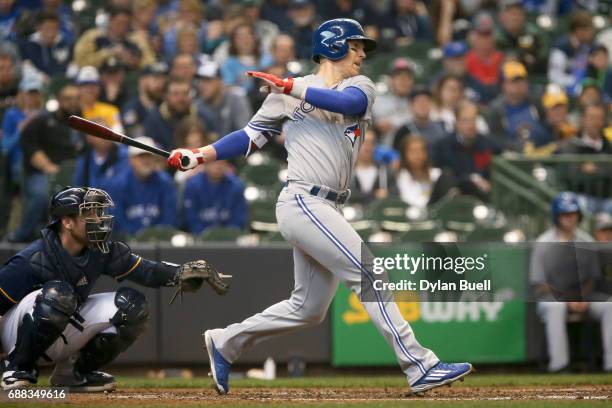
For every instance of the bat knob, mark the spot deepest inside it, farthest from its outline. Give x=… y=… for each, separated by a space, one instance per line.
x=184 y=161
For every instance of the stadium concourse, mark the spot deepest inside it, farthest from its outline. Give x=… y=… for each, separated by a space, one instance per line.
x=492 y=123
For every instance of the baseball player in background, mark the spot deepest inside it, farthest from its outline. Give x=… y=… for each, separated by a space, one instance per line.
x=47 y=313
x=324 y=117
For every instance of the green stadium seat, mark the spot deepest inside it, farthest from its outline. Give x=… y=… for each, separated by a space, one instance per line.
x=262 y=175
x=390 y=214
x=220 y=234
x=272 y=237
x=487 y=234
x=263 y=215
x=460 y=213
x=423 y=231
x=158 y=233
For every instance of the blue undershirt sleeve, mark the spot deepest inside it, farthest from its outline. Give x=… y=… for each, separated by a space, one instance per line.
x=351 y=101
x=232 y=145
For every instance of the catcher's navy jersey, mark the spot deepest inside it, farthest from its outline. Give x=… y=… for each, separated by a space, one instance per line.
x=46 y=259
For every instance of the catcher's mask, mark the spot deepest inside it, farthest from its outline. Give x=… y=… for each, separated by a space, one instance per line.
x=91 y=204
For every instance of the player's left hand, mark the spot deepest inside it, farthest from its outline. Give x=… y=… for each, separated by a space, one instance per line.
x=288 y=86
x=193 y=274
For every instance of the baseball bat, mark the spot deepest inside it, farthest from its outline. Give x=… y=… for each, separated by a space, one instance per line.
x=101 y=131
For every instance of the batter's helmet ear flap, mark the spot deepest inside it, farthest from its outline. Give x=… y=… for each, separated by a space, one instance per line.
x=564 y=203
x=330 y=40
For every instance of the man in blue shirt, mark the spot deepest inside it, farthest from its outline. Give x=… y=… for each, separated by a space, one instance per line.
x=514 y=119
x=144 y=195
x=100 y=163
x=214 y=198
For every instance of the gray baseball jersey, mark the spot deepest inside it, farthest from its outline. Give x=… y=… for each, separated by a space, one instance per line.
x=322 y=146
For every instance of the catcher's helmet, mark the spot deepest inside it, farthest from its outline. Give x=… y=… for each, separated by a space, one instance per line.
x=331 y=39
x=91 y=204
x=564 y=203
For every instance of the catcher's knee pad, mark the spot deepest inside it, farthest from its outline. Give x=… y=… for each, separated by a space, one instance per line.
x=53 y=309
x=132 y=314
x=54 y=306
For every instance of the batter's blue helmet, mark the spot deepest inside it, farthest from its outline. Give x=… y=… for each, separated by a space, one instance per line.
x=331 y=39
x=564 y=203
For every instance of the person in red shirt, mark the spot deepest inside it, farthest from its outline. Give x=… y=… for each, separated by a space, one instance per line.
x=483 y=61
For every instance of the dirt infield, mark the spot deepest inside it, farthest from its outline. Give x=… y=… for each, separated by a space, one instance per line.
x=188 y=396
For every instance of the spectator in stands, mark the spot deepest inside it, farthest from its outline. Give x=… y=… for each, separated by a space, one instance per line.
x=466 y=153
x=266 y=31
x=603 y=227
x=283 y=52
x=483 y=61
x=9 y=13
x=97 y=45
x=590 y=94
x=113 y=87
x=151 y=84
x=88 y=81
x=277 y=11
x=192 y=134
x=422 y=123
x=556 y=117
x=184 y=66
x=144 y=196
x=568 y=57
x=519 y=38
x=450 y=18
x=160 y=123
x=591 y=140
x=29 y=104
x=190 y=14
x=418 y=183
x=448 y=92
x=245 y=54
x=392 y=109
x=223 y=109
x=145 y=25
x=599 y=69
x=46 y=49
x=369 y=180
x=563 y=285
x=213 y=198
x=46 y=141
x=100 y=162
x=409 y=21
x=29 y=18
x=303 y=21
x=9 y=76
x=513 y=118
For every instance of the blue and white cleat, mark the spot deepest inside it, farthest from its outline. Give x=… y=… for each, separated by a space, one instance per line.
x=219 y=366
x=441 y=374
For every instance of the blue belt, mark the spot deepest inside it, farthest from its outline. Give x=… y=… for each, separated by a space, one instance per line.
x=338 y=198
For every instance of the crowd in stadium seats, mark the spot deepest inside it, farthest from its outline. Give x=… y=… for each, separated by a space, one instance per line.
x=459 y=83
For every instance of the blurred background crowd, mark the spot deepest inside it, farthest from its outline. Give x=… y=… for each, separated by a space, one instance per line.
x=486 y=109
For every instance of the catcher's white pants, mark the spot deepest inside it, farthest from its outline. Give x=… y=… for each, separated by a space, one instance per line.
x=326 y=250
x=96 y=312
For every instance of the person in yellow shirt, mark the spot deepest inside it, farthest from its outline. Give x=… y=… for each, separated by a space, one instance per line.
x=92 y=109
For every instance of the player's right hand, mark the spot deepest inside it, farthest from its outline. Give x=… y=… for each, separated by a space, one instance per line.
x=185 y=159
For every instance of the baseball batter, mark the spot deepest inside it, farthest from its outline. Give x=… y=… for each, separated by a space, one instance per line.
x=323 y=117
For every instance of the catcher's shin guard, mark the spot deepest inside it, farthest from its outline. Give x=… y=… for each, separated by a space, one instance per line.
x=130 y=320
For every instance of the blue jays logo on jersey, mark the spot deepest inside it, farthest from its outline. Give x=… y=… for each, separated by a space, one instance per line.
x=352 y=133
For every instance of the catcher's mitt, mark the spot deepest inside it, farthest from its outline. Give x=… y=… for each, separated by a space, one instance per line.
x=193 y=274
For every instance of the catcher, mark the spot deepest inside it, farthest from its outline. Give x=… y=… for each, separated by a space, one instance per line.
x=48 y=314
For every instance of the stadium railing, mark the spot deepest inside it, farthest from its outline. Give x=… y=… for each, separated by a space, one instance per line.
x=523 y=187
